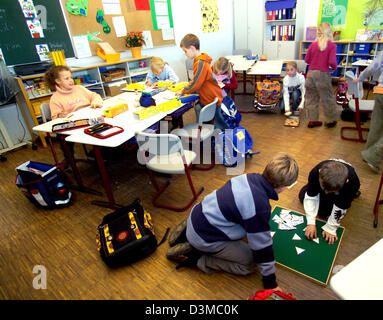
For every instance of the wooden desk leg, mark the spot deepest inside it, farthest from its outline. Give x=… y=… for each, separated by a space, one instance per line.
x=80 y=187
x=105 y=181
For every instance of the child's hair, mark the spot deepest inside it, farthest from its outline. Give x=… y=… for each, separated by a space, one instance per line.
x=52 y=74
x=157 y=64
x=224 y=65
x=281 y=171
x=332 y=176
x=190 y=40
x=324 y=34
x=292 y=64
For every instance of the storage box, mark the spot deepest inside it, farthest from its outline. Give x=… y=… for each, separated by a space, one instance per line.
x=363 y=48
x=114 y=88
x=106 y=52
x=113 y=74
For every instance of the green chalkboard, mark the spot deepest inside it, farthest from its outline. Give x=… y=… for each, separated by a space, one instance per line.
x=317 y=259
x=16 y=42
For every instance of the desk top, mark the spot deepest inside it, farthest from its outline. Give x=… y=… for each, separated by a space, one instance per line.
x=268 y=67
x=362 y=278
x=127 y=120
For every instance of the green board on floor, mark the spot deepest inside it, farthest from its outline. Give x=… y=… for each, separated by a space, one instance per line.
x=317 y=259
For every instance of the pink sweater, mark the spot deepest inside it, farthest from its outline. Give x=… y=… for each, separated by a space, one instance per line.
x=321 y=60
x=64 y=102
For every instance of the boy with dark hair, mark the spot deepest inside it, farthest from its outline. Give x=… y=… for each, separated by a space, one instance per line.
x=211 y=237
x=203 y=81
x=332 y=185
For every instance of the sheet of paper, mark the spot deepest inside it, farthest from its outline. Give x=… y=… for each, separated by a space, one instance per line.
x=43 y=52
x=119 y=26
x=111 y=6
x=35 y=28
x=163 y=22
x=148 y=39
x=81 y=46
x=161 y=8
x=168 y=34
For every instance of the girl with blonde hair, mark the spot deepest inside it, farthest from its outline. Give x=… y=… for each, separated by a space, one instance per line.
x=160 y=71
x=224 y=74
x=321 y=57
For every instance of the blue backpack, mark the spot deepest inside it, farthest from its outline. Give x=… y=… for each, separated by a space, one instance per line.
x=232 y=146
x=230 y=114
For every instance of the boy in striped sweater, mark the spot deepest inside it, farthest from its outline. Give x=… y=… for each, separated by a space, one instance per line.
x=211 y=237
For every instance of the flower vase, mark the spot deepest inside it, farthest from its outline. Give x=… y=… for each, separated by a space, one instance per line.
x=136 y=52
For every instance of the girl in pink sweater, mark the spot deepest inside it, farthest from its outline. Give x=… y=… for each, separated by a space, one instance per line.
x=321 y=58
x=68 y=97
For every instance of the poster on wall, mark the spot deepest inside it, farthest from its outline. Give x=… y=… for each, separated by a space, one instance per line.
x=334 y=12
x=210 y=17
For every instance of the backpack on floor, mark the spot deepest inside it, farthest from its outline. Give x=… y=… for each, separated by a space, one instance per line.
x=230 y=114
x=341 y=93
x=232 y=146
x=44 y=184
x=126 y=235
x=267 y=94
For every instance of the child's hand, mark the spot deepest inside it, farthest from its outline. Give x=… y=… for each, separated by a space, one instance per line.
x=179 y=93
x=329 y=237
x=355 y=80
x=148 y=84
x=311 y=232
x=96 y=105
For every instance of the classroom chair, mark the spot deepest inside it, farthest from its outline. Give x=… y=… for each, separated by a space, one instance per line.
x=189 y=68
x=164 y=153
x=199 y=132
x=357 y=105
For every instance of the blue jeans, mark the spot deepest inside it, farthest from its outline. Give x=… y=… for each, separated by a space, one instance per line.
x=295 y=96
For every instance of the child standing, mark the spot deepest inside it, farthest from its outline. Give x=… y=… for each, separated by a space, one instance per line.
x=223 y=72
x=332 y=185
x=294 y=88
x=321 y=56
x=203 y=81
x=211 y=237
x=373 y=150
x=68 y=97
x=160 y=71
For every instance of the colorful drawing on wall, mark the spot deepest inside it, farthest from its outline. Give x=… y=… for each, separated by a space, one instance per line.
x=210 y=17
x=79 y=8
x=28 y=8
x=35 y=28
x=43 y=51
x=334 y=12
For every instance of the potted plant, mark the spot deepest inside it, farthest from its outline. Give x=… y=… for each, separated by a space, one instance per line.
x=134 y=41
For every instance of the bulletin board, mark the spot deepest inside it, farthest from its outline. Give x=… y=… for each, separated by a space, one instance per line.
x=135 y=20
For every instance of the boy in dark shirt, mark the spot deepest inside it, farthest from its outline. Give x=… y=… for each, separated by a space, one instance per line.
x=211 y=237
x=332 y=185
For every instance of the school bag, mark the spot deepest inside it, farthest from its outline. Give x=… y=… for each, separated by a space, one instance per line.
x=126 y=235
x=267 y=94
x=44 y=184
x=230 y=114
x=232 y=146
x=341 y=93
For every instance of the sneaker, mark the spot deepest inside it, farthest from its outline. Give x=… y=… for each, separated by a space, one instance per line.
x=180 y=252
x=330 y=124
x=288 y=113
x=313 y=124
x=373 y=167
x=178 y=234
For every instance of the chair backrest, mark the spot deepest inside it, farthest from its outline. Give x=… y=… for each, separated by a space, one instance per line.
x=189 y=68
x=45 y=111
x=159 y=144
x=208 y=112
x=242 y=52
x=354 y=89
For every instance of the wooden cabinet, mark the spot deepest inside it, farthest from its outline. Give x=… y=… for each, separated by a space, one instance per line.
x=97 y=78
x=348 y=52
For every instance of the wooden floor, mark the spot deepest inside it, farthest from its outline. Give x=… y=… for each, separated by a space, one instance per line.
x=63 y=241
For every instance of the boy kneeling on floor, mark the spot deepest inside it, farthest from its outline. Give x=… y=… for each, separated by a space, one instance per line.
x=211 y=237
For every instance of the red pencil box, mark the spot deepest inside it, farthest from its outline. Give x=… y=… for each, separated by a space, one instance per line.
x=103 y=130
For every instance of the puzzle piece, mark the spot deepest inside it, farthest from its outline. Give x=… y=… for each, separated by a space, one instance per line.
x=299 y=250
x=296 y=237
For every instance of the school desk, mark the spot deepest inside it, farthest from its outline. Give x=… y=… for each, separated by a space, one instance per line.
x=241 y=64
x=128 y=121
x=362 y=278
x=306 y=257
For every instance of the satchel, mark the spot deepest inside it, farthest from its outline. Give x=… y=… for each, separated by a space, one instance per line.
x=127 y=235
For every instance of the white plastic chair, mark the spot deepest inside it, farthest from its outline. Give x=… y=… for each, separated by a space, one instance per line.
x=164 y=153
x=189 y=68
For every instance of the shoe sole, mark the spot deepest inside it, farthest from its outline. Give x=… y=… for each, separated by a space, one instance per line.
x=178 y=234
x=179 y=252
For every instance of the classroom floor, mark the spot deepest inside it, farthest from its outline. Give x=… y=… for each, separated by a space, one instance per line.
x=64 y=241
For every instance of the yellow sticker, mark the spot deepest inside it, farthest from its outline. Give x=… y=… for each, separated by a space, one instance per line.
x=240 y=135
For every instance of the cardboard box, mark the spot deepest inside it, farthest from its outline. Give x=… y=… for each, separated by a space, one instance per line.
x=113 y=74
x=114 y=88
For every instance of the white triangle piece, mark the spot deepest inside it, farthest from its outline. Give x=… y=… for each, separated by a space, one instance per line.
x=316 y=240
x=299 y=250
x=296 y=237
x=272 y=233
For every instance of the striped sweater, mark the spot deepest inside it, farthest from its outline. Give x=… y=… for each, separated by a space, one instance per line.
x=238 y=209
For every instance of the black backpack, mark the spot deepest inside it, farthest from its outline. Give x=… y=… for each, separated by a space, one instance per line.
x=126 y=235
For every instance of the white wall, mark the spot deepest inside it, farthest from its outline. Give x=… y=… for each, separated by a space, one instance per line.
x=187 y=19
